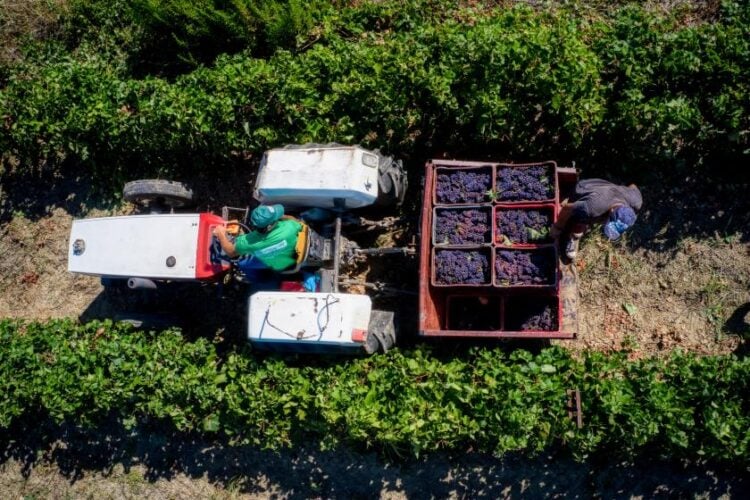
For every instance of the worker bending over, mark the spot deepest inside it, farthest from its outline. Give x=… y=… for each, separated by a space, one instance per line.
x=597 y=201
x=272 y=240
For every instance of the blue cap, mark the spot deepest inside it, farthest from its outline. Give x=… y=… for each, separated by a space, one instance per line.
x=620 y=220
x=265 y=215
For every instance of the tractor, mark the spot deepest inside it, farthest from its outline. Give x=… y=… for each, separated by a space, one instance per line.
x=167 y=247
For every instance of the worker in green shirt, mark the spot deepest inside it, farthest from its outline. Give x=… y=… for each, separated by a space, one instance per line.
x=272 y=240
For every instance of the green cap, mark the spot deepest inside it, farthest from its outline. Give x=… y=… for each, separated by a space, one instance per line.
x=265 y=215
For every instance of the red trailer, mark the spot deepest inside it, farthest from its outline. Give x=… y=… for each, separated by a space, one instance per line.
x=488 y=267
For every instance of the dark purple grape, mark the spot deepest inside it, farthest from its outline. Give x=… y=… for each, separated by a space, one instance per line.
x=525 y=313
x=525 y=267
x=544 y=321
x=462 y=226
x=461 y=267
x=524 y=183
x=523 y=226
x=463 y=186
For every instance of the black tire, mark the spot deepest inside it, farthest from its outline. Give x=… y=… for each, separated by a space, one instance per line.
x=381 y=332
x=392 y=182
x=158 y=192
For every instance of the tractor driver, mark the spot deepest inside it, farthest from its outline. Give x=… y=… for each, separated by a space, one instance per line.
x=597 y=201
x=272 y=240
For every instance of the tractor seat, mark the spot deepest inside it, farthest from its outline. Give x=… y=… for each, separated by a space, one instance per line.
x=301 y=249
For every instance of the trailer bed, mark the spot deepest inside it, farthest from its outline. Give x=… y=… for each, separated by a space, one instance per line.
x=492 y=307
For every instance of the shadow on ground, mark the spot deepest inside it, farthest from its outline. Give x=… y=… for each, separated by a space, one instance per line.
x=347 y=473
x=691 y=207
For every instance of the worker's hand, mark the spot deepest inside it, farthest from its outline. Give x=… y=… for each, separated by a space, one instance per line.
x=220 y=231
x=555 y=231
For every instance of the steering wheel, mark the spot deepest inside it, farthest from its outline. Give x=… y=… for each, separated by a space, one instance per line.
x=218 y=256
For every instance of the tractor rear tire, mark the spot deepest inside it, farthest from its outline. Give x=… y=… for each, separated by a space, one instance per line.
x=158 y=192
x=392 y=181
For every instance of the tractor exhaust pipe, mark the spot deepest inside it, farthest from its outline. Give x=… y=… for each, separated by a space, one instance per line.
x=141 y=284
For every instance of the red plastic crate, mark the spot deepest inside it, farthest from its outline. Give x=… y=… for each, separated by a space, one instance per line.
x=475 y=168
x=483 y=250
x=484 y=208
x=514 y=305
x=550 y=250
x=499 y=209
x=468 y=312
x=551 y=168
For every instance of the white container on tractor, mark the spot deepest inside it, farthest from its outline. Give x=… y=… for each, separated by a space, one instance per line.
x=167 y=246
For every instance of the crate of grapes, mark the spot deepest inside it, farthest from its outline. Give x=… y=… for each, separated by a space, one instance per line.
x=463 y=185
x=525 y=268
x=524 y=183
x=526 y=226
x=488 y=265
x=462 y=226
x=465 y=267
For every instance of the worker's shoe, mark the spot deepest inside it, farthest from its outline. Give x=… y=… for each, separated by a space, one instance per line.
x=571 y=247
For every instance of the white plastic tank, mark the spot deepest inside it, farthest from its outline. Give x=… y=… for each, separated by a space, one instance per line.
x=323 y=319
x=320 y=176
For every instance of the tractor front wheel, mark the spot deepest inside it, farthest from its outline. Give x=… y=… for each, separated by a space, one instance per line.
x=158 y=194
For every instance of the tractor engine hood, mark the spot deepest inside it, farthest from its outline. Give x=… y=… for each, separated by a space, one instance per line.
x=161 y=246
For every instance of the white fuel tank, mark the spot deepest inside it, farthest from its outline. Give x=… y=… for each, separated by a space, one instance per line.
x=317 y=176
x=316 y=319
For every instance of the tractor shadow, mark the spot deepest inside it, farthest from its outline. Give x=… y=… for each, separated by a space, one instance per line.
x=211 y=310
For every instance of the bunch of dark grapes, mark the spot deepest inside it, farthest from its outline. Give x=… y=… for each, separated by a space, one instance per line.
x=519 y=267
x=457 y=226
x=544 y=320
x=522 y=226
x=463 y=186
x=524 y=184
x=461 y=267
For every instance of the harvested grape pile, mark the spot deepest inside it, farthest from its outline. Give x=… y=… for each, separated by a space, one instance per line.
x=463 y=186
x=523 y=226
x=525 y=267
x=455 y=226
x=461 y=267
x=524 y=184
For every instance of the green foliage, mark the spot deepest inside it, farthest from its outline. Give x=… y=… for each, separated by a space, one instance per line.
x=635 y=92
x=169 y=37
x=676 y=93
x=405 y=402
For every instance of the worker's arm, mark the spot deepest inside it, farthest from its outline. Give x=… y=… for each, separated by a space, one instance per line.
x=221 y=233
x=562 y=219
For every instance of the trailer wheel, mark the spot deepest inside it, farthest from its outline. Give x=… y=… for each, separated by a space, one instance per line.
x=381 y=332
x=158 y=193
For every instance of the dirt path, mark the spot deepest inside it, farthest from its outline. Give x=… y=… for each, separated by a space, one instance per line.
x=677 y=282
